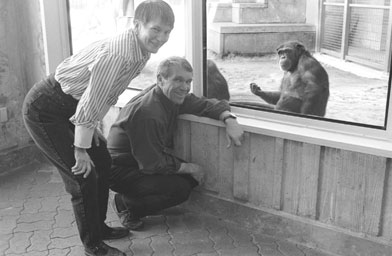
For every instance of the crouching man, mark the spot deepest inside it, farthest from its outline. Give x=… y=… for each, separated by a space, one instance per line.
x=145 y=174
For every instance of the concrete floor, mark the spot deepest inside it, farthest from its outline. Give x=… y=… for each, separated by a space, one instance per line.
x=36 y=219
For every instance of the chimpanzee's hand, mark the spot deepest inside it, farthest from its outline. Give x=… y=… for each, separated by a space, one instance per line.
x=255 y=89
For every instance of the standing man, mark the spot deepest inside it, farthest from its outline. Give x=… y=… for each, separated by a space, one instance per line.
x=145 y=173
x=62 y=112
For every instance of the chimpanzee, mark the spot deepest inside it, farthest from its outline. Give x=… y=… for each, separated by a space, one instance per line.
x=305 y=86
x=216 y=83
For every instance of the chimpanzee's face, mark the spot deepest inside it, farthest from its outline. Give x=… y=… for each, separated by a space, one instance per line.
x=286 y=58
x=289 y=54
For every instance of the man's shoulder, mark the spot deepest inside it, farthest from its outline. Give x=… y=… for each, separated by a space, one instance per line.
x=145 y=107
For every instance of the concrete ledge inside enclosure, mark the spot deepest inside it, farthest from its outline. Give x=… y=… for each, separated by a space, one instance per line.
x=283 y=226
x=256 y=39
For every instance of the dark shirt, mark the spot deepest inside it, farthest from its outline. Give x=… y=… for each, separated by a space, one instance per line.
x=142 y=136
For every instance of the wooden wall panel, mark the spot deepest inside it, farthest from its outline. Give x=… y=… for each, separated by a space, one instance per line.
x=300 y=178
x=327 y=191
x=386 y=216
x=205 y=152
x=351 y=190
x=359 y=192
x=278 y=173
x=182 y=140
x=226 y=166
x=342 y=188
x=241 y=169
x=349 y=193
x=265 y=177
x=374 y=169
x=309 y=180
x=292 y=165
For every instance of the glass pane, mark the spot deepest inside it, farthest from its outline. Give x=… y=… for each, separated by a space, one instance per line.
x=243 y=48
x=92 y=20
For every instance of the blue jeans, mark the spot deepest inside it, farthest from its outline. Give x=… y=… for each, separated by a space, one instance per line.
x=46 y=113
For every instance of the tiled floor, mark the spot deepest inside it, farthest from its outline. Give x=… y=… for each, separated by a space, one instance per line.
x=36 y=219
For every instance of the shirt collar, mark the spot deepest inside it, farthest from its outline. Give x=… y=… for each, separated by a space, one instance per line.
x=166 y=102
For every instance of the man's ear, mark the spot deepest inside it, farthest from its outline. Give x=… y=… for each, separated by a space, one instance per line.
x=159 y=79
x=137 y=24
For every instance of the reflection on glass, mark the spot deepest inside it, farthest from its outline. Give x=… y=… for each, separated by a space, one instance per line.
x=353 y=50
x=98 y=19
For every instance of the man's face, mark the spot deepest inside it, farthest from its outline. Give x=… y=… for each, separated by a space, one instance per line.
x=152 y=35
x=177 y=85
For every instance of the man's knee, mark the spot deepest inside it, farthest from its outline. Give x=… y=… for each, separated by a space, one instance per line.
x=183 y=190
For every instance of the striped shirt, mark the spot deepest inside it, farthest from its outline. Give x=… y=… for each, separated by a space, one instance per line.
x=96 y=76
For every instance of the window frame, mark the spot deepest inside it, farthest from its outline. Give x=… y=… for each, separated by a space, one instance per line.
x=56 y=32
x=320 y=132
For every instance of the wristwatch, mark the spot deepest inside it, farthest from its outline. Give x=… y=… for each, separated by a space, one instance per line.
x=230 y=115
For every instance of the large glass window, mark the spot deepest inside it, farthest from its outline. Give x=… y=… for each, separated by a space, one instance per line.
x=92 y=20
x=352 y=43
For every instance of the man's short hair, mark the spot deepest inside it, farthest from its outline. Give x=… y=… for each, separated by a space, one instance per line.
x=165 y=66
x=151 y=9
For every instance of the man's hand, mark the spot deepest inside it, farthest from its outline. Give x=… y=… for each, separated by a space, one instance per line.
x=83 y=163
x=234 y=132
x=195 y=170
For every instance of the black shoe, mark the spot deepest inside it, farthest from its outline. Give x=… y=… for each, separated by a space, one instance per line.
x=127 y=219
x=103 y=250
x=109 y=233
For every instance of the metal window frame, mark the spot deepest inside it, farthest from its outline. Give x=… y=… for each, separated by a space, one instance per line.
x=343 y=54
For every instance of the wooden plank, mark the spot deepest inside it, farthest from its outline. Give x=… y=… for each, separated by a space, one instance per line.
x=330 y=161
x=182 y=140
x=278 y=173
x=205 y=152
x=359 y=192
x=226 y=166
x=241 y=169
x=309 y=181
x=292 y=164
x=349 y=196
x=386 y=224
x=375 y=168
x=262 y=170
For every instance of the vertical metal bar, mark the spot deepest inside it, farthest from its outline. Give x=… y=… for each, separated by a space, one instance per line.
x=194 y=41
x=345 y=32
x=320 y=30
x=55 y=27
x=387 y=64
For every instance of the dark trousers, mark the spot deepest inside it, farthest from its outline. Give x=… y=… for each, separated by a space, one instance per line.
x=146 y=194
x=46 y=113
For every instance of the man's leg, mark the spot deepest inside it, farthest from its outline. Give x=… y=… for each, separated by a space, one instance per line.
x=102 y=162
x=153 y=193
x=144 y=194
x=46 y=112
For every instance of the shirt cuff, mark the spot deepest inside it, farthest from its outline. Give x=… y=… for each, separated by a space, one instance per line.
x=83 y=136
